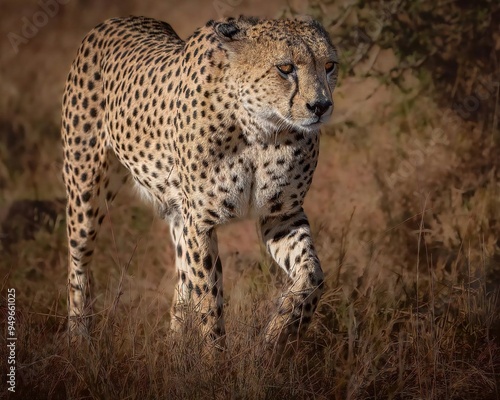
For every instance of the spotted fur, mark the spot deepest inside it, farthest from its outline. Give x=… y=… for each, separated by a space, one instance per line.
x=219 y=127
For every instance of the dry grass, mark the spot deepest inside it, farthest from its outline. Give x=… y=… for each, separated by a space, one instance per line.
x=405 y=210
x=387 y=338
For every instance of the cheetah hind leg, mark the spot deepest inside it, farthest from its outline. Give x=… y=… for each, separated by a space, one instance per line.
x=182 y=293
x=86 y=209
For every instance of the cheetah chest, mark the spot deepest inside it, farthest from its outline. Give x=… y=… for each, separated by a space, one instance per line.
x=259 y=180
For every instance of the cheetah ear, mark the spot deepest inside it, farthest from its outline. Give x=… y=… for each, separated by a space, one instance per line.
x=233 y=29
x=229 y=31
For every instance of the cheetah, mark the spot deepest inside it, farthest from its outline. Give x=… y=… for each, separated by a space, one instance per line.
x=216 y=128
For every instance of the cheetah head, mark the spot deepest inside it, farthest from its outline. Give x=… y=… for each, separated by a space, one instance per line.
x=285 y=71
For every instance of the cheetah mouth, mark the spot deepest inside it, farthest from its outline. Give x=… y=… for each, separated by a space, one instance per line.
x=313 y=125
x=306 y=125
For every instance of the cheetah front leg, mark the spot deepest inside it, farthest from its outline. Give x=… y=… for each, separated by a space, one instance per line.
x=200 y=281
x=288 y=240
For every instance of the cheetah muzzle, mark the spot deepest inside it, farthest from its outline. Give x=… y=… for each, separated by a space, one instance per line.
x=221 y=126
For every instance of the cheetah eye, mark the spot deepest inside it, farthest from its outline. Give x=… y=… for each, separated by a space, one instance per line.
x=330 y=67
x=286 y=68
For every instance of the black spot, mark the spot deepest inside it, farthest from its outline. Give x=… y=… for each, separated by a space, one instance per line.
x=287 y=262
x=213 y=214
x=299 y=222
x=228 y=205
x=280 y=235
x=302 y=237
x=218 y=265
x=276 y=207
x=207 y=262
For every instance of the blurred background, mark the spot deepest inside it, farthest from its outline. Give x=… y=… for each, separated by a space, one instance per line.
x=405 y=202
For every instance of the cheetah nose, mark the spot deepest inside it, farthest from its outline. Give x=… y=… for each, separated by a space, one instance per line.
x=320 y=107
